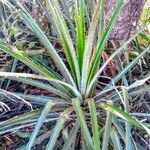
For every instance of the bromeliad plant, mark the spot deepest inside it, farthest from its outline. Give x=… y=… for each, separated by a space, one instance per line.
x=76 y=110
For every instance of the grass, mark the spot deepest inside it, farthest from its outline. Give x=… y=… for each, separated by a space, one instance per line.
x=79 y=111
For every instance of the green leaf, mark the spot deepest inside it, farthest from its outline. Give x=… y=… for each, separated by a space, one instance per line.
x=58 y=127
x=80 y=30
x=40 y=85
x=109 y=59
x=67 y=15
x=119 y=127
x=71 y=137
x=34 y=76
x=21 y=118
x=46 y=43
x=89 y=48
x=125 y=116
x=129 y=66
x=83 y=124
x=128 y=127
x=107 y=130
x=101 y=20
x=39 y=123
x=116 y=140
x=101 y=44
x=94 y=122
x=65 y=38
x=123 y=72
x=25 y=123
x=24 y=58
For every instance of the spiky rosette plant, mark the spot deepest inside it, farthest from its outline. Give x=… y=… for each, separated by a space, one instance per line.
x=80 y=117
